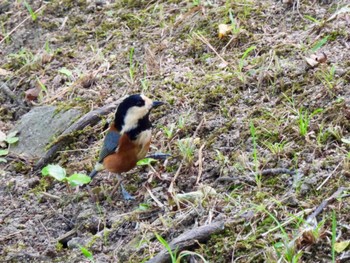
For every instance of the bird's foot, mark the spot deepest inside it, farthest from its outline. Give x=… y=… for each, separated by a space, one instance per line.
x=159 y=156
x=126 y=194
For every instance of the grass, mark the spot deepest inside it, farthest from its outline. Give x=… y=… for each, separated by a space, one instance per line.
x=33 y=15
x=334 y=235
x=304 y=120
x=255 y=154
x=265 y=73
x=187 y=148
x=243 y=62
x=132 y=66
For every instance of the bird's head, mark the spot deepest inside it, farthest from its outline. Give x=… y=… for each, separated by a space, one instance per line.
x=133 y=111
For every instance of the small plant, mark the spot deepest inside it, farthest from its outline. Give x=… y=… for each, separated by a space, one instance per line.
x=4 y=33
x=11 y=138
x=242 y=62
x=276 y=148
x=322 y=136
x=181 y=122
x=167 y=246
x=286 y=249
x=255 y=154
x=147 y=162
x=43 y=89
x=234 y=26
x=59 y=173
x=131 y=65
x=169 y=132
x=196 y=2
x=304 y=120
x=66 y=72
x=334 y=234
x=319 y=44
x=87 y=253
x=327 y=78
x=186 y=253
x=22 y=58
x=33 y=15
x=187 y=147
x=312 y=19
x=144 y=84
x=222 y=159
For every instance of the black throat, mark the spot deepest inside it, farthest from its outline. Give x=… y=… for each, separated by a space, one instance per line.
x=142 y=125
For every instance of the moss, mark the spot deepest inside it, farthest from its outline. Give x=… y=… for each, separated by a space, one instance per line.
x=21 y=167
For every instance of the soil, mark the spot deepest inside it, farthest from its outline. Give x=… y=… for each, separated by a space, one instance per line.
x=273 y=92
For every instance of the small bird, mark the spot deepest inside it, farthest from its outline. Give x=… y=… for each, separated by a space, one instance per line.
x=128 y=137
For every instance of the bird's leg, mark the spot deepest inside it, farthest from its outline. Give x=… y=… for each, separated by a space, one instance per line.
x=125 y=193
x=159 y=156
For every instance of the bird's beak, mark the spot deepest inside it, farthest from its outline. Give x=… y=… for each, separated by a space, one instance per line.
x=156 y=104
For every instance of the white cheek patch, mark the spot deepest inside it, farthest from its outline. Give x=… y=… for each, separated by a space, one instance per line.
x=132 y=117
x=148 y=102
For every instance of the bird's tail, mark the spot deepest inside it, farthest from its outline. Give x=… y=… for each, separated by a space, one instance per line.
x=98 y=167
x=93 y=173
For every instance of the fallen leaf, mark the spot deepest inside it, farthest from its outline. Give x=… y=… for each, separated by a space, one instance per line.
x=46 y=58
x=203 y=192
x=347 y=141
x=312 y=62
x=4 y=72
x=2 y=136
x=319 y=57
x=341 y=246
x=32 y=94
x=224 y=30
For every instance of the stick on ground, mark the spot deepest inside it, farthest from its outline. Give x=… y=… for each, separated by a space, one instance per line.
x=188 y=239
x=91 y=118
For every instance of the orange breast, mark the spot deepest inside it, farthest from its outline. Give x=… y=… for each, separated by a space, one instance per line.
x=126 y=156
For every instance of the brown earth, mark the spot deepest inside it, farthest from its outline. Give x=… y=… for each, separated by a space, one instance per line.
x=248 y=102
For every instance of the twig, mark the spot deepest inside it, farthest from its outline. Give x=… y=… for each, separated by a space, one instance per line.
x=91 y=118
x=205 y=41
x=154 y=198
x=54 y=197
x=324 y=203
x=6 y=90
x=249 y=178
x=67 y=236
x=329 y=176
x=304 y=212
x=171 y=186
x=198 y=128
x=10 y=235
x=13 y=30
x=188 y=239
x=200 y=163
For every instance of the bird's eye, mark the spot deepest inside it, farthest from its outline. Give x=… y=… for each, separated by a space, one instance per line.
x=140 y=103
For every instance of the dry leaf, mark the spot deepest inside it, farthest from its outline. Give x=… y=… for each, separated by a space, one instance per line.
x=46 y=58
x=319 y=57
x=4 y=72
x=224 y=30
x=87 y=81
x=312 y=62
x=32 y=94
x=2 y=136
x=341 y=246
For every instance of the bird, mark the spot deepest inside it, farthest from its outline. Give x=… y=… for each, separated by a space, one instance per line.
x=128 y=138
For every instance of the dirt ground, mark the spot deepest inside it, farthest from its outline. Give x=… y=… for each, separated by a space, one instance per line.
x=259 y=116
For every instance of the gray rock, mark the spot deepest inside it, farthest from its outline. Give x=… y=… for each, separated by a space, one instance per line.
x=39 y=127
x=76 y=242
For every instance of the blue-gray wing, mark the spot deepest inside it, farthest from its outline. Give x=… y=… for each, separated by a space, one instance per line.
x=110 y=144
